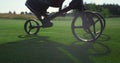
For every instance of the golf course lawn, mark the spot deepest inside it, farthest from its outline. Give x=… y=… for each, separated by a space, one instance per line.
x=57 y=44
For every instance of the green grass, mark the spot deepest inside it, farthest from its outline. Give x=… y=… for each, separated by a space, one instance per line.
x=57 y=44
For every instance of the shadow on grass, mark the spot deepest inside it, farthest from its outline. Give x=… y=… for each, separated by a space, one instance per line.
x=39 y=49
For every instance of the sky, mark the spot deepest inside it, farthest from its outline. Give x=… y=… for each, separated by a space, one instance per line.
x=18 y=5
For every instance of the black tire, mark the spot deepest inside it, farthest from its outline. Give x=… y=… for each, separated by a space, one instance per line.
x=87 y=32
x=31 y=27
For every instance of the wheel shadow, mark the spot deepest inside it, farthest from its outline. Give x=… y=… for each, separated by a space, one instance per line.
x=97 y=48
x=104 y=38
x=40 y=49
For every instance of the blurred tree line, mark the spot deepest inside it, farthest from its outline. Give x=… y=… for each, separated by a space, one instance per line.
x=107 y=10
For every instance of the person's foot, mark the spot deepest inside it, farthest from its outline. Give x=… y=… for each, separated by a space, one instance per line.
x=47 y=24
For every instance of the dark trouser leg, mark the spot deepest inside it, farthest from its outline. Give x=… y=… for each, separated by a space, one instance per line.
x=38 y=8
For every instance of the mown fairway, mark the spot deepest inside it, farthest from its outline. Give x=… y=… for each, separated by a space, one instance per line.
x=57 y=44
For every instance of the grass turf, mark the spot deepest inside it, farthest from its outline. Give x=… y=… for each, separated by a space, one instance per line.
x=57 y=44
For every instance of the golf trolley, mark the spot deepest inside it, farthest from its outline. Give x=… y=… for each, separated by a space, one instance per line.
x=86 y=26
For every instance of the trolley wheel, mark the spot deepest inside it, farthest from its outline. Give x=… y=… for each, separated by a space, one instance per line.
x=31 y=27
x=87 y=26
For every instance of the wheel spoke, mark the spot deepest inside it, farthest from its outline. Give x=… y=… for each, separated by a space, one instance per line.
x=94 y=30
x=30 y=24
x=96 y=21
x=91 y=34
x=29 y=30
